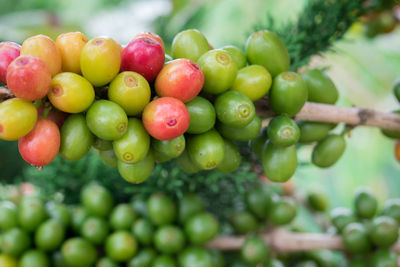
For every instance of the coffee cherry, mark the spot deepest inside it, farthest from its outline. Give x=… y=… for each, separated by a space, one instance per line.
x=28 y=78
x=44 y=48
x=42 y=144
x=100 y=60
x=70 y=45
x=8 y=52
x=166 y=118
x=145 y=56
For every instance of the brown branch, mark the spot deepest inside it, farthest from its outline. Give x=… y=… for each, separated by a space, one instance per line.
x=281 y=240
x=336 y=114
x=5 y=94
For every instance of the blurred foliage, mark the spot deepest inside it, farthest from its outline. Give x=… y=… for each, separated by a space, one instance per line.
x=9 y=6
x=319 y=26
x=20 y=19
x=11 y=163
x=178 y=5
x=184 y=15
x=384 y=4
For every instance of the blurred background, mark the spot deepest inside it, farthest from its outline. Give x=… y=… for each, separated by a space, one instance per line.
x=364 y=66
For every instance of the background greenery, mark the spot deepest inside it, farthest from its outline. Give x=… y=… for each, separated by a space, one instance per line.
x=364 y=71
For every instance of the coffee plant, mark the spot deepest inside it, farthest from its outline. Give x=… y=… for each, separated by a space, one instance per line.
x=188 y=134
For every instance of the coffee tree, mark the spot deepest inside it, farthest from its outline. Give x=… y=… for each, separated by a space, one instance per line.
x=198 y=120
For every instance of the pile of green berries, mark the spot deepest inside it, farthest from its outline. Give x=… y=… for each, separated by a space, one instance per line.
x=368 y=234
x=262 y=207
x=154 y=232
x=137 y=106
x=160 y=231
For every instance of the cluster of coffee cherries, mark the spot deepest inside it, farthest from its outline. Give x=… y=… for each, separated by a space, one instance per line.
x=136 y=106
x=368 y=232
x=146 y=232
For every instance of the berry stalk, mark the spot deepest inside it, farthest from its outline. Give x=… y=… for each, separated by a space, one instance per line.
x=5 y=94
